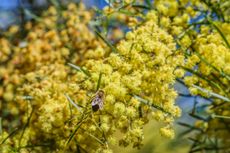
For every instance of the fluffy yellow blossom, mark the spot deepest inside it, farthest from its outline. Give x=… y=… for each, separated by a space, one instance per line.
x=51 y=78
x=36 y=78
x=134 y=70
x=208 y=63
x=158 y=115
x=167 y=132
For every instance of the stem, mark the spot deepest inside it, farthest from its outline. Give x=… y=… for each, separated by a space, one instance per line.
x=220 y=116
x=212 y=93
x=203 y=77
x=151 y=104
x=11 y=134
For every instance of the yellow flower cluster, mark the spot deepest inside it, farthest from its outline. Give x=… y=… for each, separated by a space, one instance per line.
x=64 y=90
x=141 y=69
x=5 y=53
x=54 y=101
x=211 y=79
x=178 y=17
x=121 y=15
x=34 y=78
x=205 y=44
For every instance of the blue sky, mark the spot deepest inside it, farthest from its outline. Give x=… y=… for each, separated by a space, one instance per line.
x=11 y=4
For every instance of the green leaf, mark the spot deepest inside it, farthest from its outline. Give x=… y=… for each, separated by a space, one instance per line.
x=189 y=126
x=78 y=68
x=149 y=3
x=109 y=3
x=31 y=15
x=141 y=6
x=220 y=32
x=73 y=103
x=95 y=23
x=198 y=117
x=98 y=140
x=209 y=64
x=106 y=41
x=73 y=133
x=123 y=11
x=36 y=145
x=1 y=126
x=56 y=3
x=25 y=126
x=99 y=11
x=77 y=127
x=185 y=132
x=99 y=81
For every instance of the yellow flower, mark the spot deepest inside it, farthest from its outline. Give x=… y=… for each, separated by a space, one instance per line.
x=167 y=132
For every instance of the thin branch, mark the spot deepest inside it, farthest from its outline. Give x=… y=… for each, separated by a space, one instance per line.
x=151 y=104
x=220 y=116
x=212 y=93
x=11 y=134
x=202 y=77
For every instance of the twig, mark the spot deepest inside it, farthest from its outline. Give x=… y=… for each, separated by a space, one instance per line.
x=212 y=93
x=151 y=104
x=11 y=134
x=220 y=116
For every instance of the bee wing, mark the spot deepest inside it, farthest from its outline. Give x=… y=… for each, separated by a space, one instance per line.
x=101 y=103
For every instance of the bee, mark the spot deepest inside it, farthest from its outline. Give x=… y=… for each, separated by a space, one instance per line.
x=97 y=101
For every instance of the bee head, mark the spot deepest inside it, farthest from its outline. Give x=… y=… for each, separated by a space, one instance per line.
x=100 y=93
